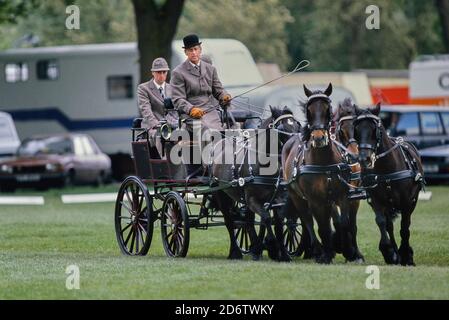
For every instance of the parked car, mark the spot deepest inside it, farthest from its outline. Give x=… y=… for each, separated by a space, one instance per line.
x=436 y=162
x=427 y=127
x=9 y=140
x=55 y=160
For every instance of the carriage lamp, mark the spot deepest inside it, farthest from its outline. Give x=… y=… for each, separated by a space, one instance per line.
x=6 y=168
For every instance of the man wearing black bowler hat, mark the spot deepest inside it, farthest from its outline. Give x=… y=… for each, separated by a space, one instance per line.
x=195 y=84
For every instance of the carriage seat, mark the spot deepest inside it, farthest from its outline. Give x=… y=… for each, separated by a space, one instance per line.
x=137 y=123
x=245 y=117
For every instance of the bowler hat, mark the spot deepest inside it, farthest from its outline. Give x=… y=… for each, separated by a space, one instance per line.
x=159 y=64
x=190 y=41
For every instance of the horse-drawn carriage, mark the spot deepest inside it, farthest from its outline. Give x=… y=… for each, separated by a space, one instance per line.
x=165 y=189
x=322 y=178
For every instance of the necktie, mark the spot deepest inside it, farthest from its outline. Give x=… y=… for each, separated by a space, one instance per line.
x=161 y=91
x=197 y=67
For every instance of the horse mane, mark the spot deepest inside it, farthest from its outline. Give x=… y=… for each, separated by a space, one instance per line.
x=345 y=108
x=276 y=112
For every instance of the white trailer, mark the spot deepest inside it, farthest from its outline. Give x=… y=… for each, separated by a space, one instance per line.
x=429 y=80
x=92 y=88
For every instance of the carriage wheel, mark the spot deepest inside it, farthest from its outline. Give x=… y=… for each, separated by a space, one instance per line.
x=243 y=227
x=292 y=235
x=175 y=229
x=133 y=217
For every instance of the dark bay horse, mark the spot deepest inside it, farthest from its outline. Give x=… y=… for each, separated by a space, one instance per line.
x=314 y=167
x=393 y=176
x=344 y=117
x=255 y=190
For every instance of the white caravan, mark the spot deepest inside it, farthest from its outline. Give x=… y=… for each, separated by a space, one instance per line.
x=92 y=88
x=429 y=80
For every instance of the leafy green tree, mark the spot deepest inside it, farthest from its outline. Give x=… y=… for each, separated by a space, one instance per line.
x=260 y=25
x=156 y=23
x=443 y=10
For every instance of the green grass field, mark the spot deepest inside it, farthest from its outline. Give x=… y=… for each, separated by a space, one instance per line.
x=37 y=243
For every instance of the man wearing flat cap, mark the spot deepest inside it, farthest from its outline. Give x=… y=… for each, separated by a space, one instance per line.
x=151 y=96
x=195 y=84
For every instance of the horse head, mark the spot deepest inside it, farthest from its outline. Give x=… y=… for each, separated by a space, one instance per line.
x=318 y=111
x=344 y=118
x=282 y=120
x=367 y=132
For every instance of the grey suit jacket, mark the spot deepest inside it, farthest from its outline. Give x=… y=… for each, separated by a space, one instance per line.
x=151 y=105
x=192 y=88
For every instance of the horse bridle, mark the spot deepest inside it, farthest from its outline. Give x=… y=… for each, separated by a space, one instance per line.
x=324 y=127
x=338 y=129
x=378 y=123
x=274 y=125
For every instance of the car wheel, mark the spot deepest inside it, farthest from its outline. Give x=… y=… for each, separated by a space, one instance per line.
x=69 y=179
x=99 y=181
x=7 y=188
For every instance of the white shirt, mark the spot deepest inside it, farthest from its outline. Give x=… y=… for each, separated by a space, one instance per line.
x=160 y=86
x=195 y=65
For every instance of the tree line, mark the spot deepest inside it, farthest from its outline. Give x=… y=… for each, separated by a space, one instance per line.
x=332 y=34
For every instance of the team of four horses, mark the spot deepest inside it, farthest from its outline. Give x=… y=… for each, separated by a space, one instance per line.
x=320 y=176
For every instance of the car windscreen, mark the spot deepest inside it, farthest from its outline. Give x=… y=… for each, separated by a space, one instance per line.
x=51 y=145
x=6 y=132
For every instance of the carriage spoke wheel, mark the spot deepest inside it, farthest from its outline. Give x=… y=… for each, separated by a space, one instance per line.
x=242 y=230
x=175 y=229
x=133 y=217
x=292 y=235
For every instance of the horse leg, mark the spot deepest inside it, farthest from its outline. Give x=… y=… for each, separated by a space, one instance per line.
x=390 y=230
x=323 y=217
x=312 y=246
x=279 y=233
x=224 y=204
x=271 y=243
x=385 y=245
x=256 y=246
x=405 y=250
x=336 y=235
x=347 y=241
x=353 y=208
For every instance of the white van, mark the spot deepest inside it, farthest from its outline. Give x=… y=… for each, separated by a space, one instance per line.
x=9 y=140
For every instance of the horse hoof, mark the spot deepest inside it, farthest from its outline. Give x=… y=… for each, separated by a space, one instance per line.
x=324 y=259
x=406 y=256
x=235 y=255
x=256 y=257
x=308 y=254
x=285 y=258
x=356 y=261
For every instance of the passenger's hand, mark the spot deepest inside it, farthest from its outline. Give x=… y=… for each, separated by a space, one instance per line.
x=196 y=113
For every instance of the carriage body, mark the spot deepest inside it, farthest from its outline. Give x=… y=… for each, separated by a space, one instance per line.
x=163 y=191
